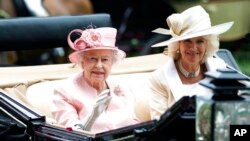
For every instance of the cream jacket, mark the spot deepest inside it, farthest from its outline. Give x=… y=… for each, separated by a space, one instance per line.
x=167 y=88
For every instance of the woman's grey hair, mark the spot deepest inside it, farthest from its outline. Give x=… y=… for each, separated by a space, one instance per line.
x=212 y=47
x=80 y=55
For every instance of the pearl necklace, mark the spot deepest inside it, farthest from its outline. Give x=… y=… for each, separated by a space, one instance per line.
x=186 y=73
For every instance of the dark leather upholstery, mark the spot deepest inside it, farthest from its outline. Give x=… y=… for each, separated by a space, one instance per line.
x=44 y=32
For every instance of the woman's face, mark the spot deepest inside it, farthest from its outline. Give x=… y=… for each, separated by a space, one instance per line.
x=193 y=50
x=97 y=65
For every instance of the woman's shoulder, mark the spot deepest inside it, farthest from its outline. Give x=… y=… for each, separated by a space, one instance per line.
x=160 y=73
x=70 y=81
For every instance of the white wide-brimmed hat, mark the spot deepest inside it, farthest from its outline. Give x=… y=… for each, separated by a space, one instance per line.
x=193 y=22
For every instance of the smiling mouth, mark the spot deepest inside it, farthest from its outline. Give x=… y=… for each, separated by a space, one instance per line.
x=192 y=53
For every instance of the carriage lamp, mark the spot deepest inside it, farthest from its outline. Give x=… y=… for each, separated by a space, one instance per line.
x=229 y=105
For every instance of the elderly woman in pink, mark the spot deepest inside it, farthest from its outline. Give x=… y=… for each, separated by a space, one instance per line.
x=89 y=100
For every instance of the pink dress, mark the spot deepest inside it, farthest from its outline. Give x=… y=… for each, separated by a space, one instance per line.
x=74 y=99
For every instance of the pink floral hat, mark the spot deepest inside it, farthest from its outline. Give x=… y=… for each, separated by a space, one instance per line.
x=92 y=39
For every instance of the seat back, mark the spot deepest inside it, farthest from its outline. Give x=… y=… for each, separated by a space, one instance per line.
x=44 y=32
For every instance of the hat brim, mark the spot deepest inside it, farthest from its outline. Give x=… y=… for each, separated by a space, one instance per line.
x=73 y=57
x=214 y=30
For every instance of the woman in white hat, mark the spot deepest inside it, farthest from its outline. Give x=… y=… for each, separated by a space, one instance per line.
x=89 y=100
x=192 y=46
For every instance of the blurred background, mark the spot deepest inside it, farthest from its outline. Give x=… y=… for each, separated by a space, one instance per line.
x=134 y=19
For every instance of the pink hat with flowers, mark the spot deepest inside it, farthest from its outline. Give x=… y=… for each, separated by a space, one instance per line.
x=92 y=39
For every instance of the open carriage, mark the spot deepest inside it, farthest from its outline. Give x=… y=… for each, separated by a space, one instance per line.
x=26 y=91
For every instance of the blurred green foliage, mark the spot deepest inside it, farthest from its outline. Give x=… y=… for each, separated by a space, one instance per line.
x=241 y=52
x=242 y=57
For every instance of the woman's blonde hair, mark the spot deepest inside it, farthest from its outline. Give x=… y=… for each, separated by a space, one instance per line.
x=212 y=47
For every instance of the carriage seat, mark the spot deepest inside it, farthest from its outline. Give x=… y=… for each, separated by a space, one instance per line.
x=35 y=90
